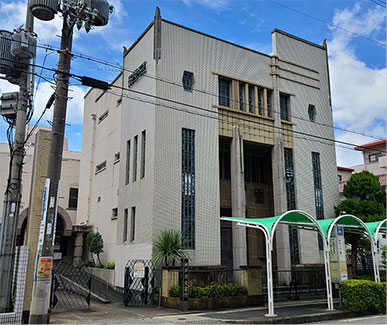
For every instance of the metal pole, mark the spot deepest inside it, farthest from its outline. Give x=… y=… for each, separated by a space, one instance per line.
x=41 y=287
x=13 y=191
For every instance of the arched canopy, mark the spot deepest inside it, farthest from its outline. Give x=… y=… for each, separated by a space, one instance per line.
x=294 y=217
x=377 y=227
x=347 y=220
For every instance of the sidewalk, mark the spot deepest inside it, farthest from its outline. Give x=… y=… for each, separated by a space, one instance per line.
x=296 y=312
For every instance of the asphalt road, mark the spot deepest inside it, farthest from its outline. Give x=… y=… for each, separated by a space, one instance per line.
x=378 y=319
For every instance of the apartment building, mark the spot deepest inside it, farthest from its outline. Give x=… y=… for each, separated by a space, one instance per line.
x=196 y=128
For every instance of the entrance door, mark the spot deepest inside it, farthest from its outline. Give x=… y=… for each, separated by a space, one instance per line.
x=226 y=239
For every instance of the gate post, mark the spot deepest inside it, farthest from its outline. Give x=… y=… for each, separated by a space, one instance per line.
x=125 y=297
x=184 y=293
x=146 y=284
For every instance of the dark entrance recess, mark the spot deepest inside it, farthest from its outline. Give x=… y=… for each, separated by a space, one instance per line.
x=226 y=239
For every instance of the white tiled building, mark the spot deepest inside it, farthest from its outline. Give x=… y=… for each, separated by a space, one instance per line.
x=196 y=128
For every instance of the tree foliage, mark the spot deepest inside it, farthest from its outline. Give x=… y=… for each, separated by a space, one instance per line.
x=168 y=247
x=94 y=244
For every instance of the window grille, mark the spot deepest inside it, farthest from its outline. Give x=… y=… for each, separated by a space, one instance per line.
x=135 y=149
x=125 y=232
x=251 y=99
x=318 y=194
x=127 y=174
x=188 y=188
x=73 y=198
x=133 y=224
x=284 y=106
x=269 y=111
x=143 y=144
x=188 y=81
x=224 y=92
x=241 y=96
x=312 y=112
x=260 y=101
x=291 y=204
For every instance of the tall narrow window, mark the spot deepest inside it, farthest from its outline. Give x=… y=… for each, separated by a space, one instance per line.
x=224 y=92
x=135 y=149
x=125 y=232
x=291 y=204
x=143 y=144
x=312 y=112
x=260 y=101
x=188 y=188
x=127 y=171
x=132 y=223
x=285 y=107
x=251 y=99
x=241 y=96
x=188 y=81
x=318 y=194
x=269 y=110
x=73 y=198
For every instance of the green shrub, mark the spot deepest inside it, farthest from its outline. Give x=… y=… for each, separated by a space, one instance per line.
x=88 y=263
x=382 y=274
x=110 y=266
x=213 y=290
x=363 y=295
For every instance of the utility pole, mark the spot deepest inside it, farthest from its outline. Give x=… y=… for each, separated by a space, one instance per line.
x=13 y=191
x=75 y=13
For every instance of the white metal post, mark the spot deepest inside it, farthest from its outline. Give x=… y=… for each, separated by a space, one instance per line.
x=328 y=279
x=375 y=260
x=269 y=271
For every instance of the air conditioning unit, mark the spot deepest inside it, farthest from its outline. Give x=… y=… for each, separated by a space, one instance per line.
x=8 y=107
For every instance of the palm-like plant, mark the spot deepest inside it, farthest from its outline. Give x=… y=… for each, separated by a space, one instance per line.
x=167 y=247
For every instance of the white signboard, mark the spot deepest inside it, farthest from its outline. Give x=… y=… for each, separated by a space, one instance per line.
x=139 y=270
x=43 y=217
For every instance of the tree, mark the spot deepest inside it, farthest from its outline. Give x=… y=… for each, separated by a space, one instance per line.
x=366 y=201
x=167 y=247
x=94 y=244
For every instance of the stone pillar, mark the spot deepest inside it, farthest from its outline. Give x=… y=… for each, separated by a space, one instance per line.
x=238 y=199
x=39 y=170
x=251 y=278
x=78 y=248
x=279 y=186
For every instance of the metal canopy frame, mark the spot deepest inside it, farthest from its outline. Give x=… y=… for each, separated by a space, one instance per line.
x=304 y=220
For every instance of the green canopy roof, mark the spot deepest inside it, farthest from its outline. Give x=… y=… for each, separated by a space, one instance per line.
x=373 y=225
x=268 y=223
x=343 y=221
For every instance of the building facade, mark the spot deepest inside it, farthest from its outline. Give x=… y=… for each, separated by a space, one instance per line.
x=196 y=128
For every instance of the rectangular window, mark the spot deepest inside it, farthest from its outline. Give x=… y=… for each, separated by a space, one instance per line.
x=241 y=96
x=318 y=194
x=285 y=107
x=114 y=213
x=224 y=92
x=135 y=148
x=260 y=101
x=127 y=170
x=103 y=116
x=125 y=233
x=251 y=99
x=224 y=164
x=143 y=144
x=73 y=198
x=269 y=110
x=132 y=224
x=100 y=167
x=375 y=156
x=116 y=158
x=188 y=188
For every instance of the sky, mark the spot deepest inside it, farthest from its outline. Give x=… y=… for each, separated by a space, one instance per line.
x=355 y=32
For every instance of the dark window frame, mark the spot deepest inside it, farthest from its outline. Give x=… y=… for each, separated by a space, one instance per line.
x=73 y=199
x=224 y=91
x=188 y=81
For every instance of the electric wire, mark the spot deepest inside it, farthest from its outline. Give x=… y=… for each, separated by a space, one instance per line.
x=121 y=68
x=378 y=3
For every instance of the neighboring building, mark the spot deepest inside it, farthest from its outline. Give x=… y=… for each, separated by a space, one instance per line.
x=344 y=174
x=68 y=197
x=206 y=128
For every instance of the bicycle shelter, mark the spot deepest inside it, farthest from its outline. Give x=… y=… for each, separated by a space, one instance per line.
x=303 y=220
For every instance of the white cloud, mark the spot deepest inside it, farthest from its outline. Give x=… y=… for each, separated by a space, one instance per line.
x=213 y=4
x=74 y=113
x=358 y=91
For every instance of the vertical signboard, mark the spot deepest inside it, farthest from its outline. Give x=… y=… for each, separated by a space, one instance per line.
x=184 y=285
x=337 y=255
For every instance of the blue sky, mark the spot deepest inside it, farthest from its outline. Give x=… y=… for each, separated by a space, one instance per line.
x=355 y=33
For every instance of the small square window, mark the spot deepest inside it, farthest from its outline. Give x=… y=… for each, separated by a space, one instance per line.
x=188 y=80
x=114 y=213
x=312 y=112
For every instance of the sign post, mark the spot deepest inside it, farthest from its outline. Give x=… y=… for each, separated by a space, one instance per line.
x=184 y=292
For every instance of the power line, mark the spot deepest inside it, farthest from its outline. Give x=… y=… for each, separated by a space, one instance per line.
x=378 y=3
x=327 y=23
x=122 y=68
x=207 y=110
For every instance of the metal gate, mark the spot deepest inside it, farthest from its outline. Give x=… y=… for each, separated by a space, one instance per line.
x=138 y=283
x=71 y=287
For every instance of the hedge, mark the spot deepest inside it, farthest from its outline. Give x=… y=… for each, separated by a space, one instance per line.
x=363 y=295
x=213 y=290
